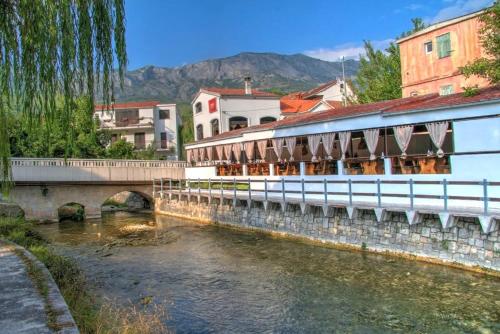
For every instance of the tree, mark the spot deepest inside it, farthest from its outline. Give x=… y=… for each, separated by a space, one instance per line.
x=52 y=47
x=379 y=74
x=120 y=149
x=488 y=67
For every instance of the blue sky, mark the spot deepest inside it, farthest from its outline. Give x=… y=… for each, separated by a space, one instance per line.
x=177 y=32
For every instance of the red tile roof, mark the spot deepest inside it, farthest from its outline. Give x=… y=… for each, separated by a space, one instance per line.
x=293 y=106
x=237 y=92
x=319 y=89
x=128 y=105
x=335 y=104
x=408 y=104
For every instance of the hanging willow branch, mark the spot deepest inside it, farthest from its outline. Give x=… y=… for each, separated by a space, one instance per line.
x=53 y=48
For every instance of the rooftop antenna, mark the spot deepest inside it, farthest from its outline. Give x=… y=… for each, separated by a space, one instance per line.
x=344 y=99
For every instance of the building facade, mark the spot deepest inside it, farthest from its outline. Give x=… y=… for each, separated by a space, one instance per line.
x=145 y=124
x=431 y=58
x=219 y=110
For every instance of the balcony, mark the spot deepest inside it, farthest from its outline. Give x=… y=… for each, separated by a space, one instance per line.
x=127 y=124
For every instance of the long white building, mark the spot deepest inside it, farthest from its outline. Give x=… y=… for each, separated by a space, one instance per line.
x=429 y=153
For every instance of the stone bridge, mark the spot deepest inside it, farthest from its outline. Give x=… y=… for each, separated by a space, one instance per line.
x=42 y=186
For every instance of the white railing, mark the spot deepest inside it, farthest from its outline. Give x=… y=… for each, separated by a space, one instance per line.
x=93 y=170
x=458 y=198
x=57 y=162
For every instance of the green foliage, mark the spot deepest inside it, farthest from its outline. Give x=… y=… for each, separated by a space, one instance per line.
x=470 y=91
x=277 y=91
x=186 y=134
x=147 y=154
x=379 y=75
x=48 y=140
x=488 y=67
x=56 y=48
x=120 y=149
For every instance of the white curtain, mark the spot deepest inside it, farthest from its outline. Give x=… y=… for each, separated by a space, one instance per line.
x=227 y=151
x=210 y=153
x=195 y=154
x=345 y=139
x=237 y=151
x=262 y=147
x=371 y=139
x=313 y=142
x=328 y=140
x=437 y=131
x=403 y=136
x=278 y=146
x=202 y=154
x=219 y=150
x=291 y=142
x=249 y=148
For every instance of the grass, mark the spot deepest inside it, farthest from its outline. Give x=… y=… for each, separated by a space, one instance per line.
x=112 y=202
x=84 y=306
x=217 y=185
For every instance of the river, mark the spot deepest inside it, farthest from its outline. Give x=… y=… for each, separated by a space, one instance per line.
x=213 y=279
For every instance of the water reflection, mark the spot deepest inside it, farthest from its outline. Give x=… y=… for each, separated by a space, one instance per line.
x=214 y=279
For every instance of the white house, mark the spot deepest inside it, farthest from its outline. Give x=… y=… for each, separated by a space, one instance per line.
x=144 y=124
x=218 y=110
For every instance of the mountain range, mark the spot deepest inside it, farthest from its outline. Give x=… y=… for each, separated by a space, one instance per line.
x=285 y=73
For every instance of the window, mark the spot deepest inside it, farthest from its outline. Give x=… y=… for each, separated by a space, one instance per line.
x=199 y=132
x=163 y=140
x=446 y=90
x=127 y=117
x=140 y=140
x=443 y=45
x=214 y=124
x=198 y=107
x=237 y=122
x=267 y=119
x=164 y=114
x=428 y=47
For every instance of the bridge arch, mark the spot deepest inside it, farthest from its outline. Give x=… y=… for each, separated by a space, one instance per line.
x=41 y=202
x=133 y=200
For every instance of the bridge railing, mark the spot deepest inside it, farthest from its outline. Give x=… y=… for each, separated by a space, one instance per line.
x=93 y=170
x=58 y=162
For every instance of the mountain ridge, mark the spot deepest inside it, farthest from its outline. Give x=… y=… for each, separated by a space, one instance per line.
x=268 y=71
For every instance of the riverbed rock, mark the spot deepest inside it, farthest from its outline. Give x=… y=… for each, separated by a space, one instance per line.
x=11 y=210
x=71 y=211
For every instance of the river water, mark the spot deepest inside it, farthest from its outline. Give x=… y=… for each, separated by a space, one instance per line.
x=217 y=280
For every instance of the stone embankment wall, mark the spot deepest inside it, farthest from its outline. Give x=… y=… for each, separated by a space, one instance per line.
x=464 y=244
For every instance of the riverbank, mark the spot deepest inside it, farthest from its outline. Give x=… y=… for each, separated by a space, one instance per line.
x=91 y=314
x=462 y=246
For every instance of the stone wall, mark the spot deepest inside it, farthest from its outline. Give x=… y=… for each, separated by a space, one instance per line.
x=464 y=244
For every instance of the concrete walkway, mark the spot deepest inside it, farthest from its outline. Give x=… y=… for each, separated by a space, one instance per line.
x=22 y=308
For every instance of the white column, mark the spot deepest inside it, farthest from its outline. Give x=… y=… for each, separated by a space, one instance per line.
x=271 y=169
x=302 y=168
x=387 y=166
x=340 y=167
x=245 y=170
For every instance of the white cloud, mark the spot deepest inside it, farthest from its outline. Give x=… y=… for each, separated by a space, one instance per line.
x=348 y=50
x=458 y=8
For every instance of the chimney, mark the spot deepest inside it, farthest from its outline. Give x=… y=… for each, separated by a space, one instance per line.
x=248 y=85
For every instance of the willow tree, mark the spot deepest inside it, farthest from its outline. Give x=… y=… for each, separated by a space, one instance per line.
x=51 y=48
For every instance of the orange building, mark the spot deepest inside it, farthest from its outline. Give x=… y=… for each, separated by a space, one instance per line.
x=431 y=58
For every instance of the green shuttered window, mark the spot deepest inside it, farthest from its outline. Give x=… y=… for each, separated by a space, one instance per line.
x=443 y=45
